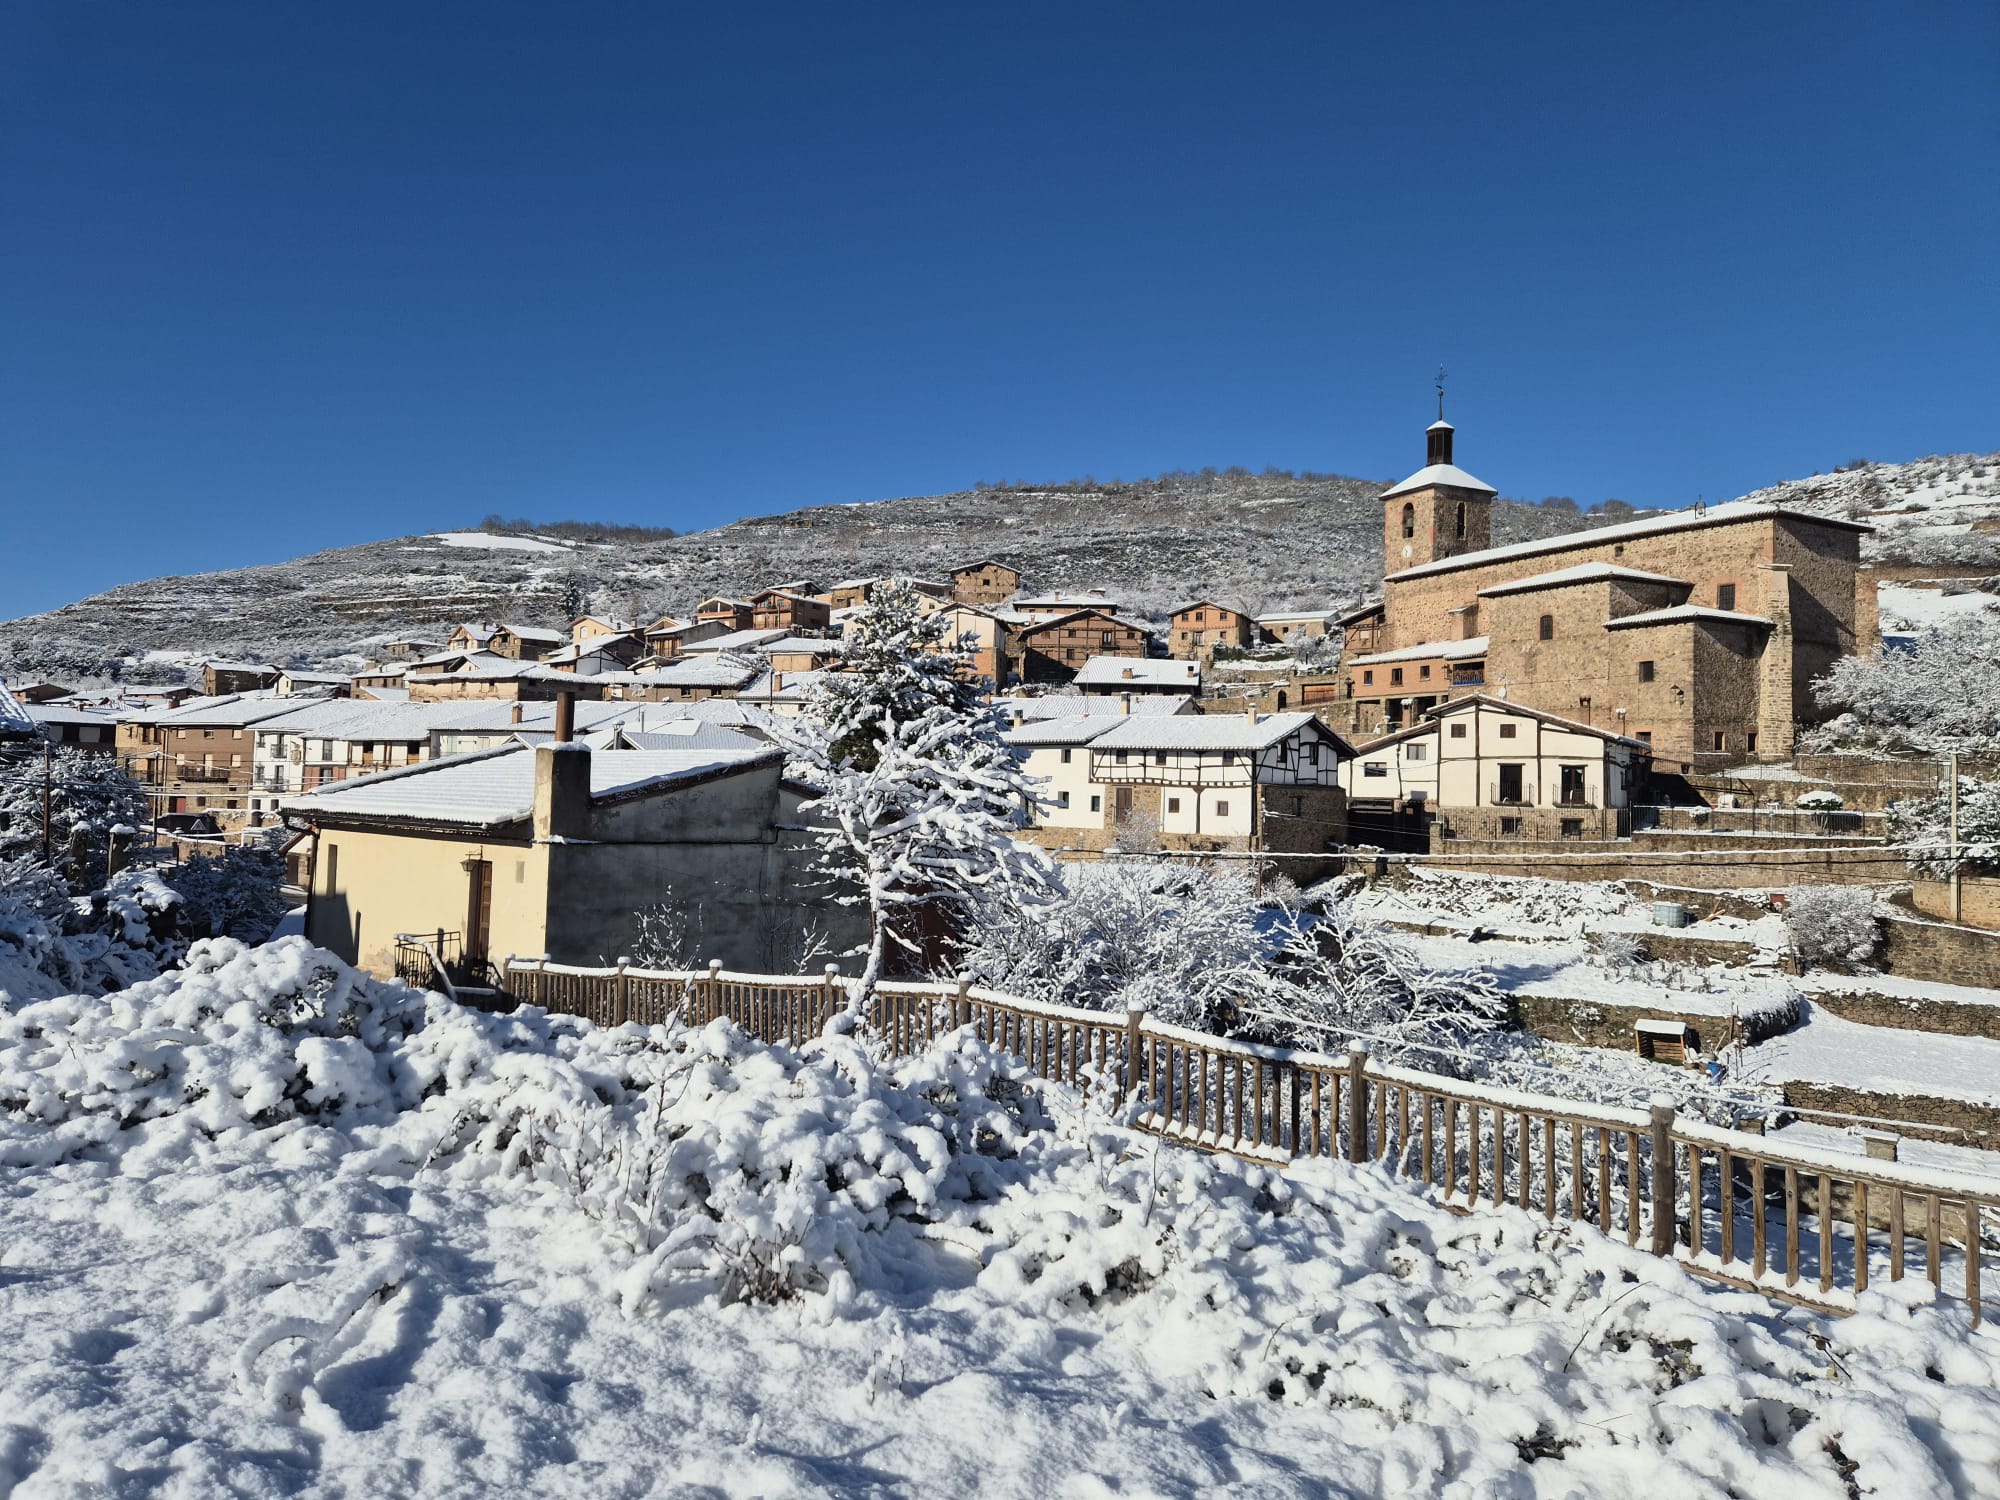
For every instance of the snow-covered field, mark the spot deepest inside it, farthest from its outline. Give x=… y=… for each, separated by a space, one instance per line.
x=494 y=542
x=269 y=1228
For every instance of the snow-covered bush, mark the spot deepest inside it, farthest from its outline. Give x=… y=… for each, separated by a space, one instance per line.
x=52 y=942
x=1922 y=825
x=1821 y=800
x=1831 y=924
x=236 y=893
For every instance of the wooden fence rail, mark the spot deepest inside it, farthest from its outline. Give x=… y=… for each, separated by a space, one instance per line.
x=1811 y=1225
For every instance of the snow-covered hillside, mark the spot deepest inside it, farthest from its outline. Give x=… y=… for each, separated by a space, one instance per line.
x=268 y=1227
x=1274 y=540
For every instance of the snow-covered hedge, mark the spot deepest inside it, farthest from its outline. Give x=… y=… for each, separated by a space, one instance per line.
x=1831 y=924
x=1923 y=826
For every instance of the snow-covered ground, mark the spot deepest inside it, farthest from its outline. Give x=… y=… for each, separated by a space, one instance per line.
x=1905 y=608
x=269 y=1228
x=1824 y=1048
x=494 y=542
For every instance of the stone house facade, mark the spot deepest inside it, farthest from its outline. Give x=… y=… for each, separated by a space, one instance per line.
x=1199 y=627
x=984 y=582
x=777 y=609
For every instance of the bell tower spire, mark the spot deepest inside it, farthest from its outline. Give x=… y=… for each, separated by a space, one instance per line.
x=1437 y=437
x=1438 y=512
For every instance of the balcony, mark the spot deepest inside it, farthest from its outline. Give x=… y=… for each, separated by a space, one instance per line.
x=200 y=773
x=1512 y=796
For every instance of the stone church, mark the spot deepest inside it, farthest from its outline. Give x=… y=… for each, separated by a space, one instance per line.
x=1699 y=632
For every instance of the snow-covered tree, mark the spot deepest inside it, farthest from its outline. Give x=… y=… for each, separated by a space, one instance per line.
x=1831 y=924
x=1183 y=942
x=919 y=797
x=1943 y=693
x=88 y=791
x=1923 y=826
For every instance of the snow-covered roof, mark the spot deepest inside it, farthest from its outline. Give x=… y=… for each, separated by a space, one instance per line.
x=681 y=734
x=1142 y=671
x=1234 y=606
x=722 y=601
x=1772 y=771
x=1152 y=705
x=735 y=640
x=491 y=788
x=1442 y=650
x=385 y=694
x=1062 y=603
x=1035 y=624
x=700 y=671
x=1713 y=515
x=533 y=633
x=62 y=713
x=1438 y=476
x=1590 y=572
x=328 y=678
x=1295 y=617
x=789 y=595
x=1506 y=706
x=227 y=711
x=1207 y=732
x=1069 y=731
x=781 y=687
x=481 y=716
x=360 y=719
x=1684 y=612
x=14 y=719
x=241 y=666
x=819 y=644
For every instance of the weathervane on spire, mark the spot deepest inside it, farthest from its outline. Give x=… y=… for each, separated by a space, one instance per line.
x=1440 y=393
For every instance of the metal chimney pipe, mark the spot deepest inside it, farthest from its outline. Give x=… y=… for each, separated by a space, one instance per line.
x=565 y=717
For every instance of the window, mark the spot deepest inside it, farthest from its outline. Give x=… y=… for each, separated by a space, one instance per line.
x=1644 y=736
x=1395 y=677
x=1096 y=803
x=1201 y=617
x=1461 y=521
x=1645 y=671
x=1119 y=756
x=1725 y=596
x=1424 y=672
x=1068 y=756
x=1547 y=628
x=1718 y=739
x=1509 y=731
x=1583 y=707
x=1409 y=520
x=1222 y=809
x=1413 y=752
x=1510 y=828
x=1173 y=804
x=1750 y=742
x=1159 y=757
x=1229 y=757
x=1062 y=799
x=1108 y=640
x=1368 y=676
x=1458 y=731
x=1312 y=753
x=1374 y=768
x=1572 y=828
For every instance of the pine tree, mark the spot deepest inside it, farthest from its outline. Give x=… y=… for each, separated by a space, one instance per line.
x=83 y=791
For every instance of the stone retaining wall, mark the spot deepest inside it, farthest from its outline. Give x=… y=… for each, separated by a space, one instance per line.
x=1947 y=1017
x=1725 y=862
x=1918 y=949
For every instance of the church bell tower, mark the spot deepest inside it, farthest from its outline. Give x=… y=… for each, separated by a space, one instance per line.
x=1440 y=511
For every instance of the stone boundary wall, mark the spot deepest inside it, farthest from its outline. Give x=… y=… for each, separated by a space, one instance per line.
x=1978 y=900
x=1660 y=943
x=1728 y=863
x=1915 y=948
x=1596 y=1023
x=1906 y=1013
x=1980 y=1122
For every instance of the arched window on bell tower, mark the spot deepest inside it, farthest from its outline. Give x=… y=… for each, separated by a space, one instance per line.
x=1409 y=520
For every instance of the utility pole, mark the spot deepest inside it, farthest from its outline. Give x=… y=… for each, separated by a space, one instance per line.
x=1956 y=887
x=48 y=795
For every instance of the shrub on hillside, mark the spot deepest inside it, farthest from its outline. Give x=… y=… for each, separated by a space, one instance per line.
x=1831 y=924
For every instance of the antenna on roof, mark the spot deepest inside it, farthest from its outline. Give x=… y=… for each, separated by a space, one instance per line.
x=1440 y=384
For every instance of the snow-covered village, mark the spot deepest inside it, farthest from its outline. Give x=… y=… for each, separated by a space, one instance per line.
x=1443 y=942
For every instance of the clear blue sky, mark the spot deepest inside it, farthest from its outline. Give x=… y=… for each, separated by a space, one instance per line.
x=275 y=277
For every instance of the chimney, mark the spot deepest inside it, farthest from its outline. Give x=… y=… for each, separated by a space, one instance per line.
x=1250 y=713
x=1125 y=703
x=562 y=790
x=514 y=713
x=565 y=717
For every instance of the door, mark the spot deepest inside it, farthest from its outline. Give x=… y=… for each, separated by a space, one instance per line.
x=478 y=908
x=1121 y=803
x=1510 y=783
x=1572 y=786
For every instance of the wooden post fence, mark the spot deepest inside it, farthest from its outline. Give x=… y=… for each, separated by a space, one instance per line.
x=1804 y=1223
